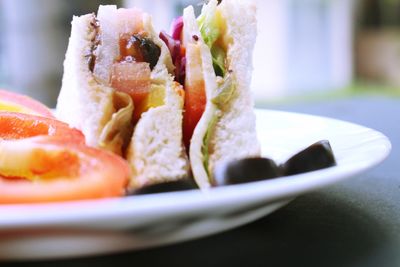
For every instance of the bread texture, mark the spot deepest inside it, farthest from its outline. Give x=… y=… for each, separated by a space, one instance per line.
x=235 y=135
x=156 y=153
x=153 y=146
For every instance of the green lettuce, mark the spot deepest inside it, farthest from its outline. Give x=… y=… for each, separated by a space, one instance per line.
x=224 y=91
x=206 y=143
x=218 y=57
x=209 y=27
x=211 y=32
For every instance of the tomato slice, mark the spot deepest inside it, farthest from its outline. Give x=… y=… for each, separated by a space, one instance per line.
x=20 y=103
x=82 y=173
x=43 y=160
x=195 y=95
x=15 y=125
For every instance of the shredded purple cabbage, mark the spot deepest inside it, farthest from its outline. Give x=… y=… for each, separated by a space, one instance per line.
x=175 y=48
x=176 y=28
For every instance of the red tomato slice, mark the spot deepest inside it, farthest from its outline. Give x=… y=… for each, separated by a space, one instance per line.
x=83 y=173
x=18 y=125
x=132 y=78
x=195 y=95
x=20 y=103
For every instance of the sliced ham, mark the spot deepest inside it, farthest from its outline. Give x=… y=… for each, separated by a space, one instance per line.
x=132 y=78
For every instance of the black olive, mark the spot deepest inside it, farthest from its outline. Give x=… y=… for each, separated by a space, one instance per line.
x=245 y=170
x=180 y=185
x=139 y=49
x=315 y=157
x=150 y=51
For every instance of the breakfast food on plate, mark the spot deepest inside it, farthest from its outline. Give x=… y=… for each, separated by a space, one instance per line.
x=213 y=56
x=117 y=90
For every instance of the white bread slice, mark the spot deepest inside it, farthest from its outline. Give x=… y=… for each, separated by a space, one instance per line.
x=83 y=102
x=156 y=152
x=108 y=49
x=235 y=135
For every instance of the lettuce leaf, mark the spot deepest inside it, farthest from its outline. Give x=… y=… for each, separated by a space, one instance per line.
x=224 y=91
x=206 y=143
x=210 y=28
x=218 y=57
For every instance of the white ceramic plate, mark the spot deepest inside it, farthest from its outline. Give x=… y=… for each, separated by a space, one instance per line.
x=104 y=226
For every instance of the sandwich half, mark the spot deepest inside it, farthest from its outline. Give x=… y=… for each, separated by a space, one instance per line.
x=215 y=69
x=118 y=91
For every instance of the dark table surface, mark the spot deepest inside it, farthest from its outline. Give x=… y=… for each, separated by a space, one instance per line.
x=352 y=223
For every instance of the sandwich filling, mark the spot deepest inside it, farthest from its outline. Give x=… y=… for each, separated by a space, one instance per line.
x=123 y=56
x=189 y=72
x=213 y=31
